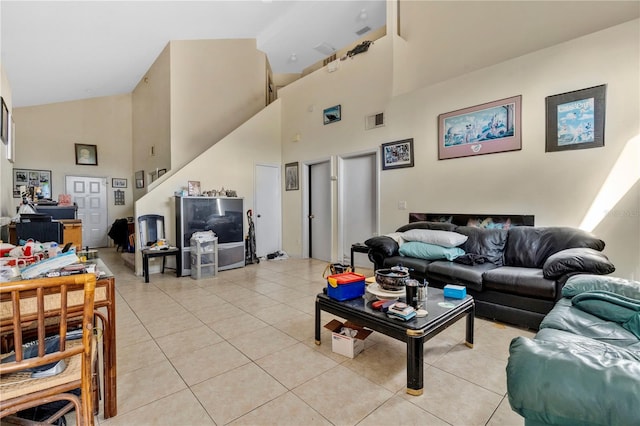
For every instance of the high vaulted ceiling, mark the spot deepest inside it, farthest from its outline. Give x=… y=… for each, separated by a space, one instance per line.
x=55 y=51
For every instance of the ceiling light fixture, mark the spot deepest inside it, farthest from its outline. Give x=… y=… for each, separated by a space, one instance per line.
x=362 y=16
x=293 y=58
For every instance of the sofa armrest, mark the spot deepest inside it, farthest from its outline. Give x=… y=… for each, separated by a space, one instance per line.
x=576 y=260
x=553 y=383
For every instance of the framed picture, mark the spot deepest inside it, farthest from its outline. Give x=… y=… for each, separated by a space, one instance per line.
x=118 y=183
x=575 y=120
x=194 y=188
x=118 y=197
x=139 y=176
x=291 y=176
x=161 y=172
x=4 y=118
x=481 y=129
x=333 y=114
x=37 y=182
x=396 y=155
x=86 y=155
x=11 y=145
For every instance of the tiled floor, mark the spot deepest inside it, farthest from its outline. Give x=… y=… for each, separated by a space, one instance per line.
x=239 y=349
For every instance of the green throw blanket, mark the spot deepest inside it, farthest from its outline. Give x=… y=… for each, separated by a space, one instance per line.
x=612 y=307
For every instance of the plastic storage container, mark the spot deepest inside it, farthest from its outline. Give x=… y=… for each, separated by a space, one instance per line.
x=348 y=285
x=204 y=255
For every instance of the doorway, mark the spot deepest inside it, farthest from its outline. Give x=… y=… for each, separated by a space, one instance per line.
x=90 y=195
x=319 y=210
x=357 y=204
x=267 y=215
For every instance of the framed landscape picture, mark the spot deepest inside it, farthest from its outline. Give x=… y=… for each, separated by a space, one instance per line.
x=575 y=120
x=119 y=183
x=482 y=129
x=333 y=114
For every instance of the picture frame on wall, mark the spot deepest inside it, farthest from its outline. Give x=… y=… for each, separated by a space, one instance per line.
x=118 y=183
x=575 y=120
x=139 y=176
x=397 y=155
x=291 y=177
x=4 y=121
x=38 y=181
x=332 y=114
x=86 y=155
x=11 y=144
x=482 y=129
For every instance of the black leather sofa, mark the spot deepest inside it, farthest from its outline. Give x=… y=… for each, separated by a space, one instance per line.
x=515 y=275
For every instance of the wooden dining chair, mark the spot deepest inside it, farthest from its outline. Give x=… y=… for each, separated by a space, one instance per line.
x=36 y=304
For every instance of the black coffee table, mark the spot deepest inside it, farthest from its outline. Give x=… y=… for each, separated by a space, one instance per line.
x=443 y=312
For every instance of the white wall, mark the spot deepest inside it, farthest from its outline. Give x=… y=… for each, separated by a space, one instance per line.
x=7 y=204
x=230 y=163
x=558 y=188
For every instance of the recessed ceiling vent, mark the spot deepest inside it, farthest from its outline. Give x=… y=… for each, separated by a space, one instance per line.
x=363 y=30
x=325 y=48
x=374 y=121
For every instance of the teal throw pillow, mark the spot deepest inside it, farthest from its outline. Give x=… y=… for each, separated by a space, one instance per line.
x=429 y=251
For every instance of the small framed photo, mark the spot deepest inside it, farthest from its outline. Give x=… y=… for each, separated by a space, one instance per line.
x=194 y=188
x=396 y=155
x=139 y=179
x=333 y=114
x=291 y=176
x=575 y=120
x=118 y=183
x=161 y=172
x=86 y=155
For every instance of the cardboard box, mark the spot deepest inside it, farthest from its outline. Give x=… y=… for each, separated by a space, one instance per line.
x=347 y=345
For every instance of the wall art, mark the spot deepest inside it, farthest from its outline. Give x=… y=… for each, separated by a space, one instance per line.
x=118 y=183
x=482 y=129
x=291 y=176
x=4 y=121
x=396 y=155
x=36 y=182
x=333 y=114
x=139 y=177
x=86 y=155
x=575 y=120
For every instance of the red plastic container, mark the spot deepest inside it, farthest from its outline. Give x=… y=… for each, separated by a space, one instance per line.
x=345 y=286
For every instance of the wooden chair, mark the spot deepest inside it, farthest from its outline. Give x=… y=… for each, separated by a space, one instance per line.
x=37 y=303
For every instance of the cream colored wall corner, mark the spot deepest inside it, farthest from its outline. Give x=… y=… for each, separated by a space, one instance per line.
x=46 y=134
x=7 y=203
x=230 y=163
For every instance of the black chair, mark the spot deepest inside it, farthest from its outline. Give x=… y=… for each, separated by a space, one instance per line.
x=151 y=230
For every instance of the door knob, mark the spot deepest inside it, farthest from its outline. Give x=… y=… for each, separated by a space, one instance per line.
x=311 y=216
x=259 y=215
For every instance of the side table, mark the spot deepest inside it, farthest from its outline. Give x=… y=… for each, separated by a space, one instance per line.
x=357 y=248
x=148 y=253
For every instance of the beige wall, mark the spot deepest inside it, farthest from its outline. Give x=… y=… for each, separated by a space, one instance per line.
x=558 y=188
x=7 y=203
x=46 y=135
x=230 y=163
x=216 y=85
x=151 y=121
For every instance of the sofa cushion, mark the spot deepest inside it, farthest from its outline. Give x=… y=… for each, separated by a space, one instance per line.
x=611 y=307
x=564 y=316
x=435 y=236
x=456 y=273
x=574 y=260
x=429 y=251
x=486 y=242
x=415 y=265
x=386 y=245
x=585 y=282
x=443 y=226
x=521 y=281
x=530 y=247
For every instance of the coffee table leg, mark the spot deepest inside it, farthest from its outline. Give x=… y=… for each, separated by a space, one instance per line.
x=318 y=342
x=415 y=366
x=469 y=337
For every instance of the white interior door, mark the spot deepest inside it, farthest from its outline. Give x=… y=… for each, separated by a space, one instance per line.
x=90 y=194
x=267 y=217
x=358 y=193
x=320 y=211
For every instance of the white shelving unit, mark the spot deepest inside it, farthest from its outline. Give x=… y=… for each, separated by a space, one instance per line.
x=204 y=255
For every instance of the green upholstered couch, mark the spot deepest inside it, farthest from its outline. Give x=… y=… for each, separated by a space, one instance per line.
x=583 y=365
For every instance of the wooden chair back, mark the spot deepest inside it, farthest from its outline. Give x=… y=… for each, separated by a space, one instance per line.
x=37 y=306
